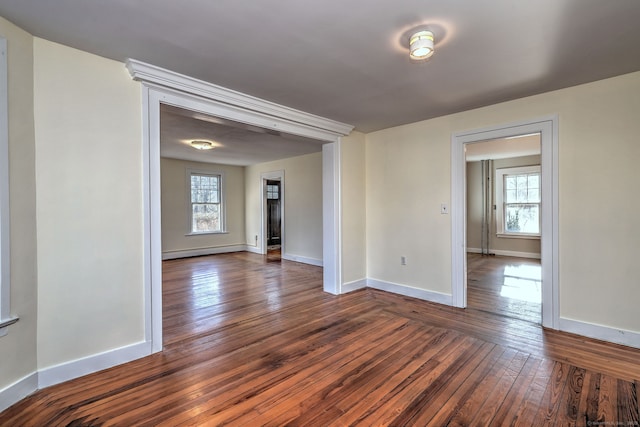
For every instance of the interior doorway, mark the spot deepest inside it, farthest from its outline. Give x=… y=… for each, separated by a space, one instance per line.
x=548 y=129
x=503 y=225
x=273 y=215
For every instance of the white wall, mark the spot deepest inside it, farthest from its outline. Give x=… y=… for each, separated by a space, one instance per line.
x=18 y=347
x=474 y=210
x=407 y=171
x=354 y=215
x=302 y=205
x=408 y=176
x=175 y=201
x=89 y=204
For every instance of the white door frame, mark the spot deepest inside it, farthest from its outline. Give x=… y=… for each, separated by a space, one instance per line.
x=548 y=128
x=276 y=176
x=160 y=86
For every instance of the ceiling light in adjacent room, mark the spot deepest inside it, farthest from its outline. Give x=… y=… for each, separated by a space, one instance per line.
x=421 y=45
x=202 y=145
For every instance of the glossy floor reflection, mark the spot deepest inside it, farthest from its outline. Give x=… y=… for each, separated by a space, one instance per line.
x=505 y=285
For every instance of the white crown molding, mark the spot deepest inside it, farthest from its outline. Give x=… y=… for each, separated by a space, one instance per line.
x=152 y=74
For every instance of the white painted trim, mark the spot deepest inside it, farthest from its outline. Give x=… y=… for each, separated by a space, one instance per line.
x=548 y=128
x=253 y=250
x=186 y=253
x=88 y=365
x=410 y=291
x=331 y=219
x=302 y=259
x=152 y=147
x=599 y=332
x=499 y=252
x=19 y=390
x=278 y=176
x=164 y=87
x=354 y=285
x=5 y=212
x=185 y=84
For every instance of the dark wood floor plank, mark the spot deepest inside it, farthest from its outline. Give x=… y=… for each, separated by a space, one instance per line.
x=495 y=398
x=551 y=404
x=249 y=341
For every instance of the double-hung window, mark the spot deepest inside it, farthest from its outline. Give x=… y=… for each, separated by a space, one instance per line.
x=205 y=208
x=518 y=201
x=6 y=318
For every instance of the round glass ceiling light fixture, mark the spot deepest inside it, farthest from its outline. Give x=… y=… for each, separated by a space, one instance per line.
x=421 y=45
x=201 y=145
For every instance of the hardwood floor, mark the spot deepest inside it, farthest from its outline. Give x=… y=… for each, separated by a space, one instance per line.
x=505 y=285
x=252 y=342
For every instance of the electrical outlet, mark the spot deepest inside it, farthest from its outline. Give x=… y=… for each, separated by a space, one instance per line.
x=403 y=260
x=444 y=209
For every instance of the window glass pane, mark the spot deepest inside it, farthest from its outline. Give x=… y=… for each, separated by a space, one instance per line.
x=521 y=181
x=509 y=182
x=205 y=217
x=534 y=195
x=522 y=218
x=522 y=194
x=510 y=196
x=534 y=180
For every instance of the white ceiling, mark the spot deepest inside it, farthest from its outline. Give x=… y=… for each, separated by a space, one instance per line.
x=503 y=148
x=347 y=60
x=235 y=143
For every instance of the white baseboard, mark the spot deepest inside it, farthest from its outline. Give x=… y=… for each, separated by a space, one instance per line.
x=87 y=365
x=18 y=390
x=302 y=259
x=599 y=332
x=506 y=253
x=354 y=286
x=203 y=251
x=409 y=291
x=253 y=249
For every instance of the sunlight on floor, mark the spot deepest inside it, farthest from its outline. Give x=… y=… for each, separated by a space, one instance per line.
x=522 y=282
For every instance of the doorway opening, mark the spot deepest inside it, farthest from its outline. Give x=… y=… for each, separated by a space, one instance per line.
x=160 y=86
x=503 y=226
x=547 y=127
x=273 y=215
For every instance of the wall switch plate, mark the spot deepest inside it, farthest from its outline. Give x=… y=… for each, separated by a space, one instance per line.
x=444 y=209
x=403 y=260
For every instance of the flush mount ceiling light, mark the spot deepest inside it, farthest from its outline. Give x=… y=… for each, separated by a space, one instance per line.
x=202 y=145
x=421 y=45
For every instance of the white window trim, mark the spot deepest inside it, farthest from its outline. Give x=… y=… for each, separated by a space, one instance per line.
x=499 y=193
x=5 y=230
x=223 y=208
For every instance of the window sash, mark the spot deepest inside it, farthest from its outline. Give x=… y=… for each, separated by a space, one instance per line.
x=205 y=203
x=518 y=200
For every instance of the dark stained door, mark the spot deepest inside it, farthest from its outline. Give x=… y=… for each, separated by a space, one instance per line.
x=273 y=213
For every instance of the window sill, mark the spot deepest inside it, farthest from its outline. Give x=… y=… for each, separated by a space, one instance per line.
x=6 y=323
x=206 y=233
x=519 y=236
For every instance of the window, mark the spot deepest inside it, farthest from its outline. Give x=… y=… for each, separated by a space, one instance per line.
x=272 y=192
x=206 y=213
x=518 y=201
x=5 y=257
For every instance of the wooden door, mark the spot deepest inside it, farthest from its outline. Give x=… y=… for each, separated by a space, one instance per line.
x=273 y=213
